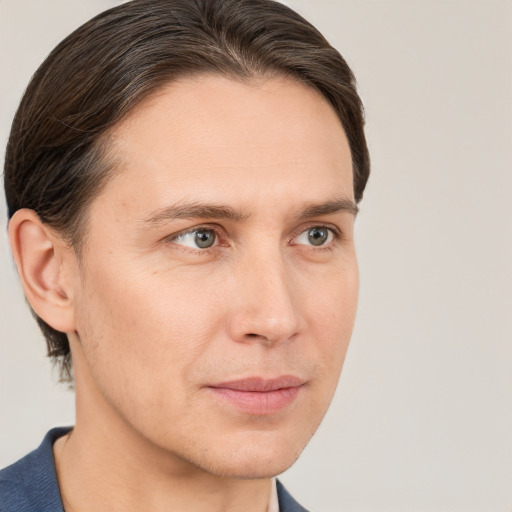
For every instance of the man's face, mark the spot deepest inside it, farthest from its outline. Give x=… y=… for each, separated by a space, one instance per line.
x=219 y=282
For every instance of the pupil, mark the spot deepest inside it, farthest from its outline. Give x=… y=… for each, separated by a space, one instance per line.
x=317 y=236
x=204 y=239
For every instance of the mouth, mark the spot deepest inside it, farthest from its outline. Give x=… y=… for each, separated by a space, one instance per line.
x=259 y=396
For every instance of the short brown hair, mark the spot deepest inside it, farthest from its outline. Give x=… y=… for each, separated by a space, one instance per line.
x=55 y=159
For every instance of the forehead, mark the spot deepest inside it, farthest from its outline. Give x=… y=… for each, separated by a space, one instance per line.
x=215 y=139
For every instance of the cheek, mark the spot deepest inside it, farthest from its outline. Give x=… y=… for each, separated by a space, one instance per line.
x=332 y=295
x=331 y=316
x=142 y=332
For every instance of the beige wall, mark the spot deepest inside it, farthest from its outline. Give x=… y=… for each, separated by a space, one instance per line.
x=423 y=416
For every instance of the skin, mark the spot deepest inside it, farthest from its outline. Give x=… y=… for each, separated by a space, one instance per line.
x=154 y=321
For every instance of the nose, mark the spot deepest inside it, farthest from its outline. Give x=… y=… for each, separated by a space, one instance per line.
x=266 y=305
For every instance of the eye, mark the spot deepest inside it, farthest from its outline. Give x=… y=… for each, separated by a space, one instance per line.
x=316 y=236
x=200 y=238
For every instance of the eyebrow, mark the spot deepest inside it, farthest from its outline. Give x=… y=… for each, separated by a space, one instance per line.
x=193 y=211
x=330 y=208
x=211 y=211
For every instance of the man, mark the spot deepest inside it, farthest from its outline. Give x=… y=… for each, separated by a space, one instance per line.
x=182 y=179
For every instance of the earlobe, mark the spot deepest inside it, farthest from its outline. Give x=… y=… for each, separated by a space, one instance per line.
x=41 y=258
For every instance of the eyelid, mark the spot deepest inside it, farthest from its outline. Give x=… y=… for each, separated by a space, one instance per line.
x=221 y=236
x=336 y=232
x=170 y=239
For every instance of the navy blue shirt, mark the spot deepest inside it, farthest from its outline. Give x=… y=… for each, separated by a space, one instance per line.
x=30 y=485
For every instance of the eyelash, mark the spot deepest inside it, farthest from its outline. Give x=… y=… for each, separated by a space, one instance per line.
x=336 y=237
x=336 y=233
x=213 y=229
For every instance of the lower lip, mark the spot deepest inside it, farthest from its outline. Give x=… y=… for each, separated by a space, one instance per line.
x=258 y=402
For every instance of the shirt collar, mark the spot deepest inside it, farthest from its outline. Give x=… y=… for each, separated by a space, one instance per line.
x=273 y=504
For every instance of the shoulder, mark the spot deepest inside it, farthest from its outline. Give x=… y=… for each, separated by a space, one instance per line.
x=286 y=501
x=30 y=484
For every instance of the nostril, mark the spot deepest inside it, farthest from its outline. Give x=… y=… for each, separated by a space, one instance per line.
x=258 y=337
x=255 y=336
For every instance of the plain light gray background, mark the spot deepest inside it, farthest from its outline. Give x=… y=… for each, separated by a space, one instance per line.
x=422 y=420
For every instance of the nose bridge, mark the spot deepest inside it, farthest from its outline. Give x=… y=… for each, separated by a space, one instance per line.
x=266 y=307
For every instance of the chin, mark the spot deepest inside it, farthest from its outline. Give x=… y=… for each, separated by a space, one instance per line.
x=253 y=468
x=254 y=457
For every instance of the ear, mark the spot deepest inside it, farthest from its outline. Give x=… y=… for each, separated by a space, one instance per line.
x=45 y=264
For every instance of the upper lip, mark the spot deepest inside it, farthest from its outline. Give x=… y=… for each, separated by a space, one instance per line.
x=261 y=384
